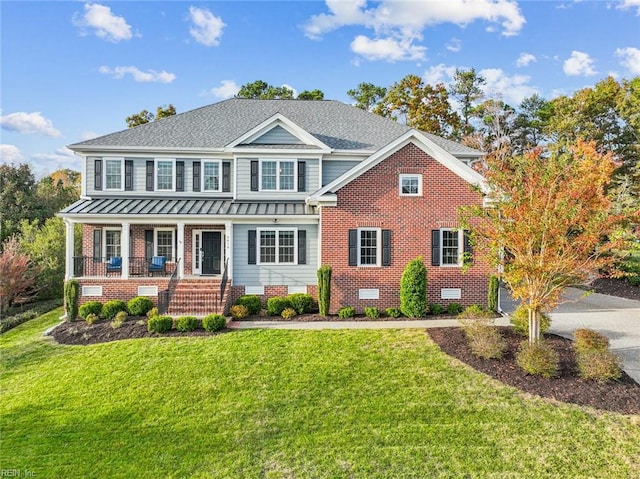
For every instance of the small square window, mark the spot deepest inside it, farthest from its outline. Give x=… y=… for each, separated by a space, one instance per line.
x=410 y=185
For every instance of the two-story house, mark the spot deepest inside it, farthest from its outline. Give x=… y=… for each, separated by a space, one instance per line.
x=252 y=196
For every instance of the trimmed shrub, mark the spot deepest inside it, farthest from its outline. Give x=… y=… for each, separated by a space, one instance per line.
x=139 y=306
x=346 y=312
x=39 y=308
x=520 y=321
x=152 y=313
x=187 y=323
x=90 y=307
x=538 y=359
x=599 y=365
x=436 y=309
x=71 y=293
x=484 y=338
x=492 y=297
x=288 y=313
x=252 y=302
x=372 y=312
x=302 y=302
x=159 y=324
x=119 y=319
x=476 y=311
x=239 y=311
x=587 y=340
x=276 y=305
x=91 y=318
x=392 y=312
x=324 y=289
x=454 y=308
x=413 y=289
x=111 y=308
x=214 y=322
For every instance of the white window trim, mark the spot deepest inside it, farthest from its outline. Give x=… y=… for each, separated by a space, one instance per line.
x=104 y=173
x=202 y=175
x=198 y=254
x=277 y=162
x=155 y=173
x=378 y=247
x=104 y=240
x=278 y=230
x=173 y=243
x=410 y=175
x=460 y=248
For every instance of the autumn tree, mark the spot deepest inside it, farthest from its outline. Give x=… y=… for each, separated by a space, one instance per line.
x=367 y=95
x=467 y=89
x=550 y=218
x=17 y=273
x=145 y=116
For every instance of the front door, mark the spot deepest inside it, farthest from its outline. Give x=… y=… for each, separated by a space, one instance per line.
x=211 y=252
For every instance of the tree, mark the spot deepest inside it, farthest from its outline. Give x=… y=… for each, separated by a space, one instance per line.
x=17 y=273
x=367 y=95
x=165 y=112
x=530 y=123
x=145 y=116
x=17 y=198
x=550 y=214
x=260 y=89
x=311 y=95
x=56 y=191
x=467 y=89
x=497 y=125
x=413 y=289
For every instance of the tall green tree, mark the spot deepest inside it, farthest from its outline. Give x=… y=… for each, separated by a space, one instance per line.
x=530 y=123
x=311 y=95
x=56 y=191
x=18 y=199
x=367 y=95
x=145 y=116
x=467 y=89
x=261 y=90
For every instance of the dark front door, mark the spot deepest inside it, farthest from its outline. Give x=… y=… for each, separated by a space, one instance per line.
x=211 y=252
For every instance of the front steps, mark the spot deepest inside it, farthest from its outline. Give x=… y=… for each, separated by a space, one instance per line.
x=197 y=297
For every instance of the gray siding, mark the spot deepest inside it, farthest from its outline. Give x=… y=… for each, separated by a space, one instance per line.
x=245 y=274
x=244 y=183
x=277 y=136
x=332 y=169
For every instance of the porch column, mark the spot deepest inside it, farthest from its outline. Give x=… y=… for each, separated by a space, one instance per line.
x=228 y=247
x=69 y=241
x=180 y=249
x=124 y=250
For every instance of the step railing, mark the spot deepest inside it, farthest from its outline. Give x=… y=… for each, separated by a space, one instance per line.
x=164 y=297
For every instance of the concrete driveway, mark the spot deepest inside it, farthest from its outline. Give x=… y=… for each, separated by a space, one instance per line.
x=616 y=318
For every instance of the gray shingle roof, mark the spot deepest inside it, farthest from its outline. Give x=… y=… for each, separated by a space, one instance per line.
x=336 y=124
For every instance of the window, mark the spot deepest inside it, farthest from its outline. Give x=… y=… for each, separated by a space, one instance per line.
x=369 y=247
x=211 y=176
x=164 y=175
x=112 y=243
x=277 y=175
x=368 y=241
x=277 y=246
x=164 y=243
x=451 y=247
x=411 y=185
x=113 y=174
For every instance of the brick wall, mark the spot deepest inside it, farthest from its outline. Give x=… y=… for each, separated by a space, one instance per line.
x=121 y=289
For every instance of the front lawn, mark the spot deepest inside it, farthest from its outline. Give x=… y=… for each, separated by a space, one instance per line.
x=281 y=404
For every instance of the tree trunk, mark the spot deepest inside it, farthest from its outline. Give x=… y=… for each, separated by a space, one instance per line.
x=534 y=326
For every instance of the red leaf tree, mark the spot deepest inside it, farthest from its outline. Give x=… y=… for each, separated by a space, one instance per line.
x=17 y=273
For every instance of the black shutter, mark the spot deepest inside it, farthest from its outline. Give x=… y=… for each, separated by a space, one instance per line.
x=353 y=247
x=302 y=246
x=150 y=168
x=148 y=244
x=251 y=253
x=179 y=175
x=97 y=175
x=226 y=176
x=97 y=245
x=254 y=175
x=386 y=247
x=196 y=176
x=302 y=176
x=128 y=175
x=435 y=247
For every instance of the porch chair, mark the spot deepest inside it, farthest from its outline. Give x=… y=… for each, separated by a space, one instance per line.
x=157 y=265
x=115 y=264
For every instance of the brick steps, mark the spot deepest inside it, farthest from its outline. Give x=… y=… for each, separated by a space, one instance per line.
x=197 y=297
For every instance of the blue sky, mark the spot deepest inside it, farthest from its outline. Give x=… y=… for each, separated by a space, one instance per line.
x=75 y=70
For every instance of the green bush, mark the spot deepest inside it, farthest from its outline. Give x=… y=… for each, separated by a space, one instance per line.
x=303 y=303
x=413 y=289
x=276 y=305
x=599 y=365
x=589 y=340
x=34 y=311
x=252 y=302
x=492 y=297
x=159 y=324
x=454 y=308
x=90 y=307
x=632 y=268
x=484 y=338
x=152 y=313
x=538 y=359
x=71 y=293
x=288 y=313
x=520 y=321
x=214 y=322
x=111 y=308
x=372 y=312
x=91 y=318
x=239 y=311
x=476 y=311
x=119 y=320
x=187 y=323
x=392 y=312
x=324 y=289
x=139 y=306
x=436 y=309
x=346 y=312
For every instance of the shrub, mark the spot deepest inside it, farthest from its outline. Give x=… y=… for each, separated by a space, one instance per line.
x=113 y=307
x=276 y=305
x=484 y=339
x=152 y=313
x=520 y=321
x=214 y=322
x=119 y=319
x=475 y=311
x=39 y=308
x=324 y=289
x=346 y=312
x=599 y=365
x=252 y=302
x=413 y=289
x=71 y=292
x=302 y=302
x=454 y=308
x=187 y=323
x=436 y=309
x=589 y=340
x=159 y=324
x=140 y=305
x=492 y=297
x=90 y=307
x=372 y=312
x=91 y=318
x=288 y=313
x=238 y=311
x=392 y=312
x=538 y=359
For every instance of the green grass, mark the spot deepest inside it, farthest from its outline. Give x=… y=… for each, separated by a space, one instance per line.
x=285 y=404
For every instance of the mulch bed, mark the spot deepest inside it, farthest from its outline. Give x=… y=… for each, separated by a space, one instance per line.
x=616 y=287
x=622 y=396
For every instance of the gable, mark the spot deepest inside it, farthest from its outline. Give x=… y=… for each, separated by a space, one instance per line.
x=277 y=136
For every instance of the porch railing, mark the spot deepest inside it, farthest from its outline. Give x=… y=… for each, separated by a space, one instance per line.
x=225 y=278
x=165 y=297
x=89 y=266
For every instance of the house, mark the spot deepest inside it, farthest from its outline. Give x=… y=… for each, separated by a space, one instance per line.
x=252 y=196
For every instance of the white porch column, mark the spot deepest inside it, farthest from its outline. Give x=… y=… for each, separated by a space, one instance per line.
x=69 y=241
x=124 y=250
x=228 y=247
x=180 y=249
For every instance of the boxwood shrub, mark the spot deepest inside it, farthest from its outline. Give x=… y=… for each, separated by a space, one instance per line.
x=187 y=323
x=252 y=302
x=276 y=305
x=111 y=308
x=302 y=302
x=90 y=307
x=159 y=324
x=214 y=322
x=139 y=306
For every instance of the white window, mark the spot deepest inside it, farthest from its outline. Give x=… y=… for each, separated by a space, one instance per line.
x=165 y=175
x=451 y=242
x=164 y=243
x=278 y=175
x=211 y=176
x=113 y=173
x=112 y=246
x=410 y=185
x=369 y=243
x=277 y=246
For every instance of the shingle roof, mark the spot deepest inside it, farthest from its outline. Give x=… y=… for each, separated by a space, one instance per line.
x=336 y=124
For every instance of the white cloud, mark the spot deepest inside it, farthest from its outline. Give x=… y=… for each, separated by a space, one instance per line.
x=138 y=75
x=388 y=49
x=510 y=89
x=579 y=64
x=206 y=28
x=440 y=73
x=89 y=135
x=23 y=122
x=62 y=156
x=630 y=58
x=104 y=24
x=630 y=4
x=454 y=45
x=10 y=154
x=227 y=89
x=525 y=58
